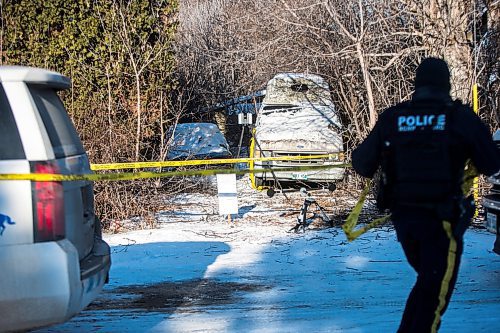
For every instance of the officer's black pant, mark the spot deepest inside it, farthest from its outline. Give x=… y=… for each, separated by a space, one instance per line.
x=434 y=253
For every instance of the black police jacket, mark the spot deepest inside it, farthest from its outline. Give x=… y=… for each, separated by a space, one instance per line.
x=470 y=138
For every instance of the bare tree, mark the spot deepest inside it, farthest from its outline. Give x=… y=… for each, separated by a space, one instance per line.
x=443 y=26
x=355 y=43
x=367 y=49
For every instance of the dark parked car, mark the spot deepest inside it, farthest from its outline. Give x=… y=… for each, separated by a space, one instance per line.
x=196 y=141
x=491 y=202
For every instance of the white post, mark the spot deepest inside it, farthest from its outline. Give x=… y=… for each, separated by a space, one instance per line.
x=227 y=193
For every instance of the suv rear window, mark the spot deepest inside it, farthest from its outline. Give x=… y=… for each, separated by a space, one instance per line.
x=11 y=147
x=62 y=134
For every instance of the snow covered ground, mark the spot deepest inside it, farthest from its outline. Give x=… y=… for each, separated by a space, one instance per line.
x=200 y=273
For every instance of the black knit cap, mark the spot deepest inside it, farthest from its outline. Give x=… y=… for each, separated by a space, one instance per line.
x=433 y=72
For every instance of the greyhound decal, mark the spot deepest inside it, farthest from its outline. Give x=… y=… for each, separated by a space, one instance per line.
x=3 y=220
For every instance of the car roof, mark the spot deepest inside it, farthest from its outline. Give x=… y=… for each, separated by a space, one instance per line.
x=189 y=125
x=35 y=76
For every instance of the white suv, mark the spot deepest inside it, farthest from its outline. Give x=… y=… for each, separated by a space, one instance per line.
x=52 y=256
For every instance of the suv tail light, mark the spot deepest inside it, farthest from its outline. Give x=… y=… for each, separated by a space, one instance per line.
x=48 y=205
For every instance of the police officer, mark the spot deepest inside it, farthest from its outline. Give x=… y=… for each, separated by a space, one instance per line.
x=422 y=146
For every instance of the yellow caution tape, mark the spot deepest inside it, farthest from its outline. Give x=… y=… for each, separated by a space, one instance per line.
x=475 y=182
x=469 y=180
x=251 y=163
x=43 y=177
x=138 y=165
x=470 y=173
x=352 y=219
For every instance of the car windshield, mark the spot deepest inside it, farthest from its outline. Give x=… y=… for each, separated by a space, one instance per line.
x=289 y=89
x=278 y=108
x=8 y=132
x=62 y=134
